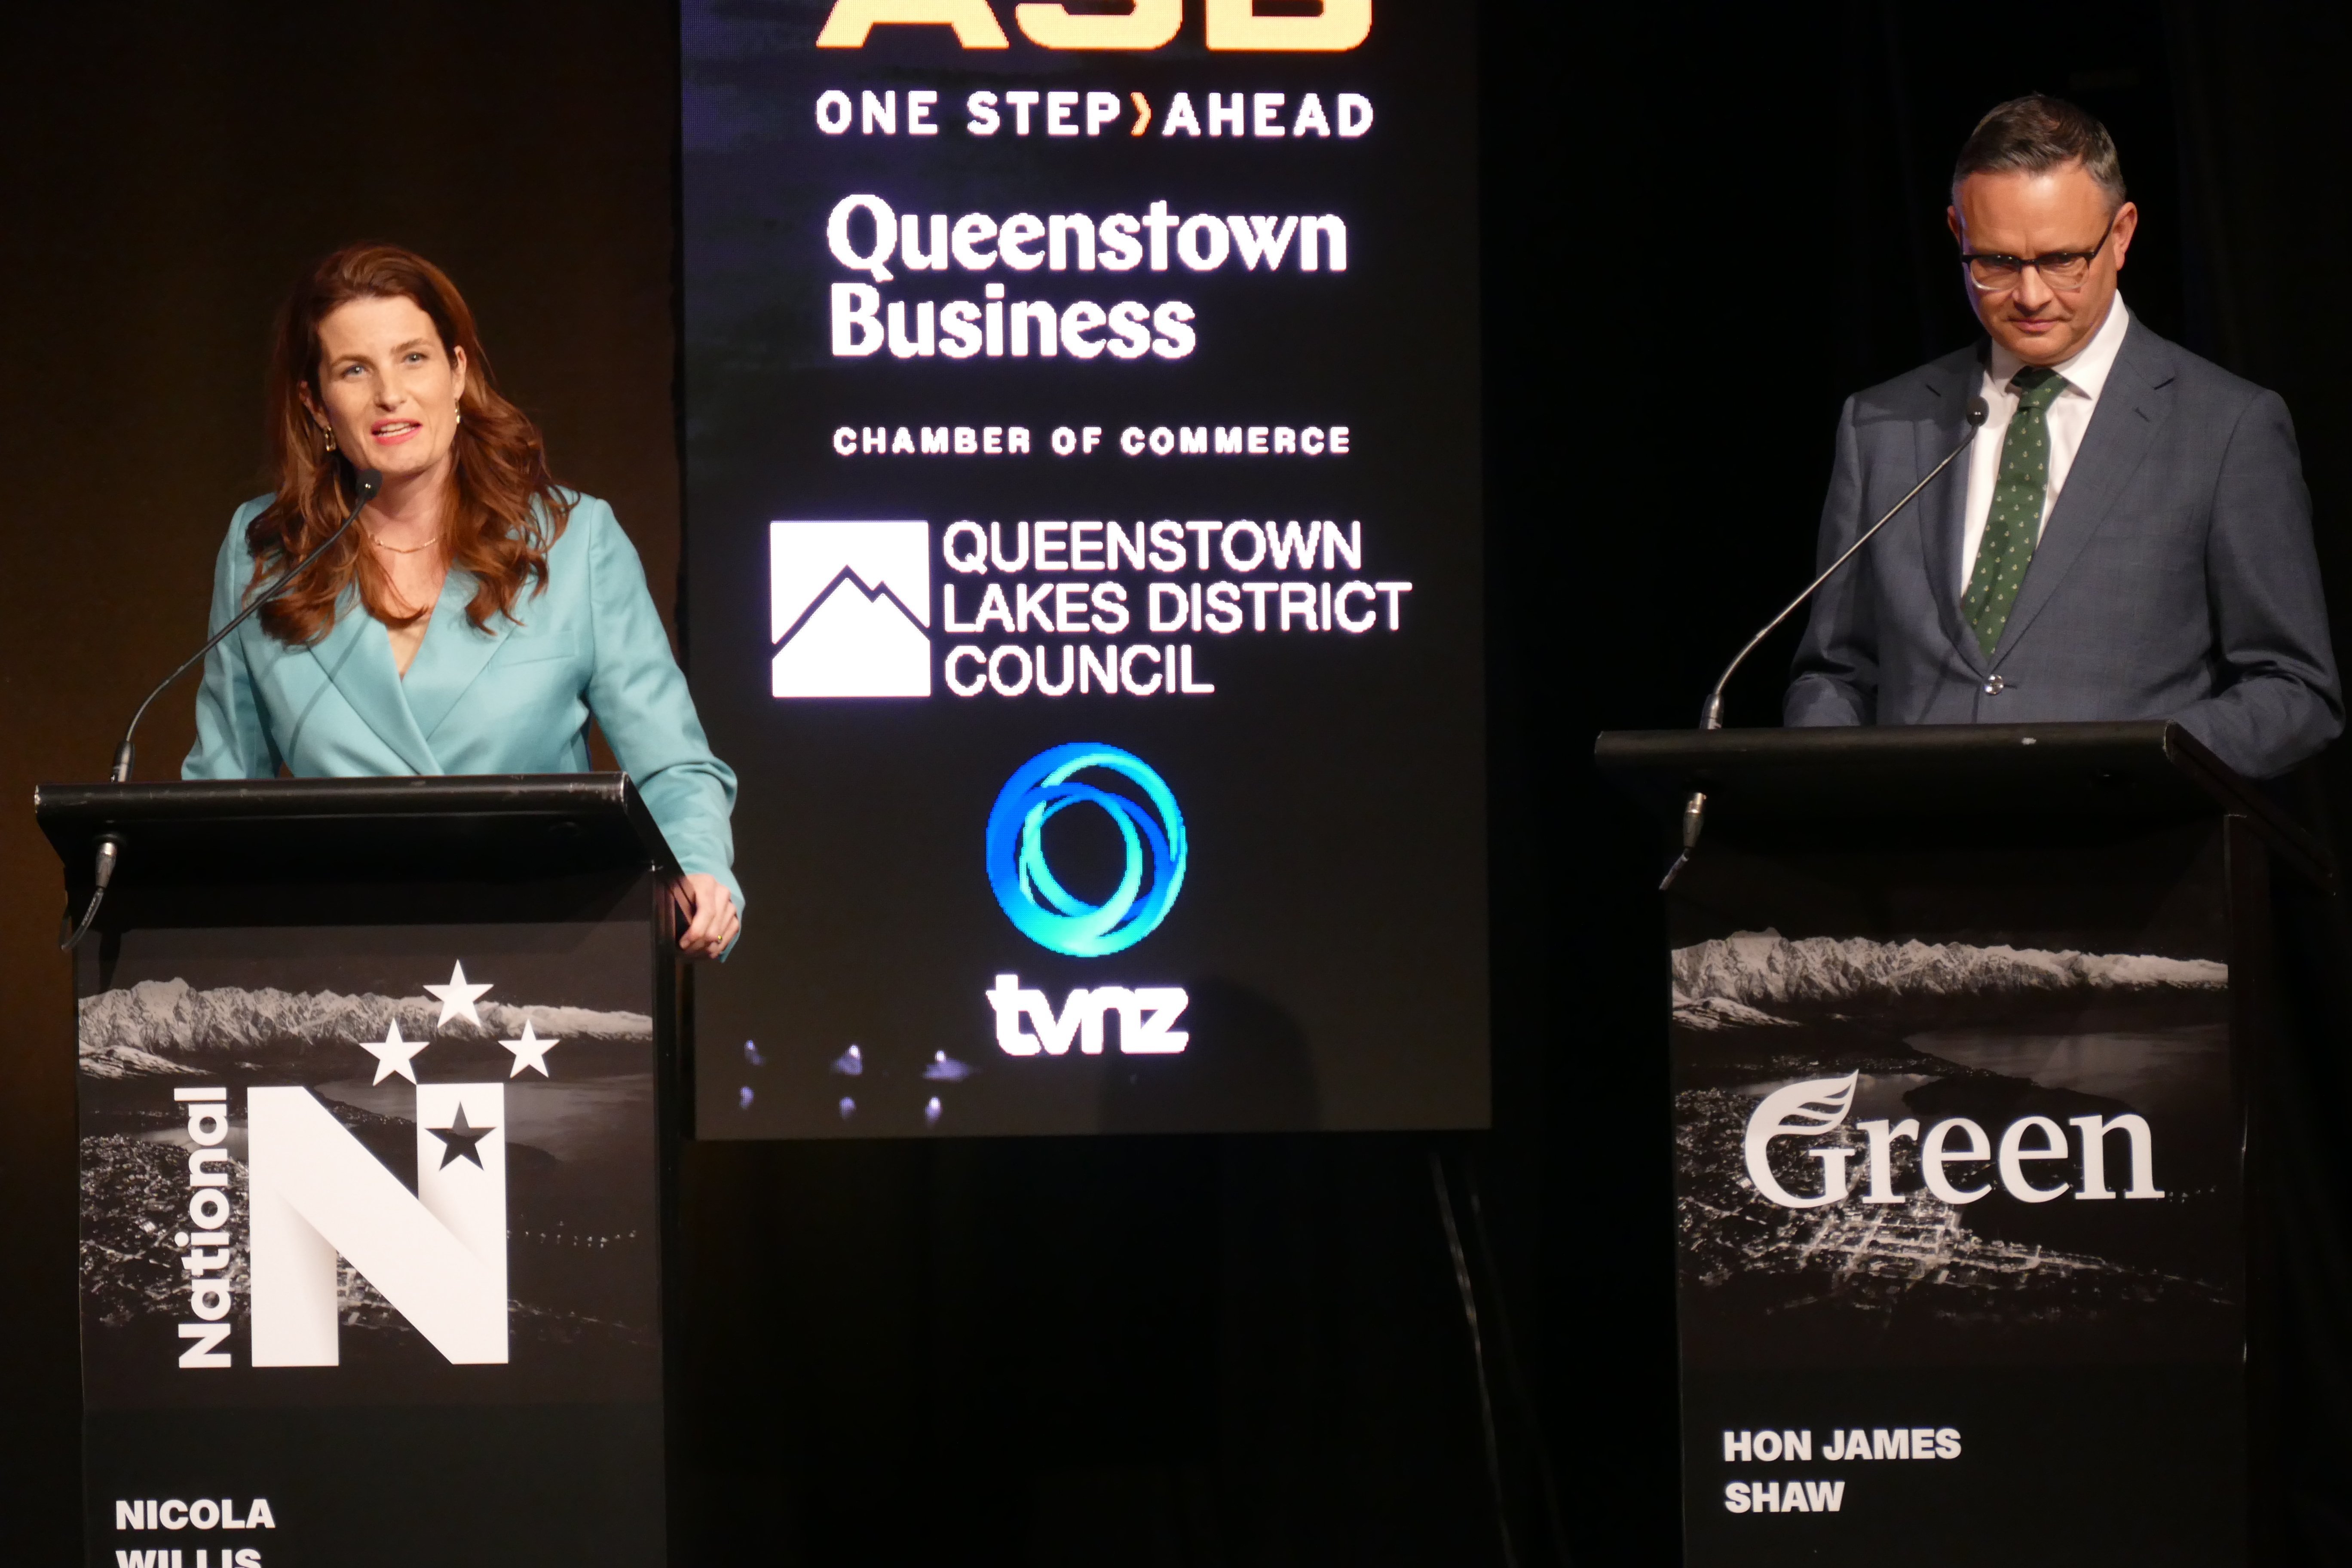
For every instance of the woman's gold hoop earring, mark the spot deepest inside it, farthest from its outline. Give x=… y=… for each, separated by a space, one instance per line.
x=329 y=432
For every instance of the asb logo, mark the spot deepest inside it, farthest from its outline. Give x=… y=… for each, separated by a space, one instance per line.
x=1153 y=835
x=849 y=605
x=1228 y=24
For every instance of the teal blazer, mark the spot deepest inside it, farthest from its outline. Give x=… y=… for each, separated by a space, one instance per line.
x=517 y=700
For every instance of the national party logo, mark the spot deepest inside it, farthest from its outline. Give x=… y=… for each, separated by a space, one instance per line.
x=1155 y=848
x=344 y=1204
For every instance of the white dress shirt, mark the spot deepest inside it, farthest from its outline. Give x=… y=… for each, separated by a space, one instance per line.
x=2068 y=416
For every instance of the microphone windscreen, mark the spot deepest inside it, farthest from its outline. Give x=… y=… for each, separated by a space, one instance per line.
x=372 y=479
x=1977 y=413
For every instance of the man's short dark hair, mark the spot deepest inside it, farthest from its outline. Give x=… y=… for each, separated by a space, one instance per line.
x=2037 y=133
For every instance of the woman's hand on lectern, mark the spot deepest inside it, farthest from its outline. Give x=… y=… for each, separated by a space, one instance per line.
x=709 y=909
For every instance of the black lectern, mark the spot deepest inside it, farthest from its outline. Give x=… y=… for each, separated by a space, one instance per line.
x=375 y=1083
x=1968 y=1028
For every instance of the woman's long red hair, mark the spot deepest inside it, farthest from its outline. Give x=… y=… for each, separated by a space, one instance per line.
x=505 y=511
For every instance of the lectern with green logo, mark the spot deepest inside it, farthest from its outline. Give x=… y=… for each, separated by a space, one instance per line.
x=1968 y=1029
x=375 y=1084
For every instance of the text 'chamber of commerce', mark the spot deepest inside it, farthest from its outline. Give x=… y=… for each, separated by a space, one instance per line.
x=1085 y=565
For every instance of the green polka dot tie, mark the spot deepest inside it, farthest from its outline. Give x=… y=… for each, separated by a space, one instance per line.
x=2014 y=522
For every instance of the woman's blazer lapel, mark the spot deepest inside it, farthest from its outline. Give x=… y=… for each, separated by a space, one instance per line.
x=356 y=655
x=451 y=658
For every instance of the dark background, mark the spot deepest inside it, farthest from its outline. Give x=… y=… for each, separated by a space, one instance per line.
x=1706 y=225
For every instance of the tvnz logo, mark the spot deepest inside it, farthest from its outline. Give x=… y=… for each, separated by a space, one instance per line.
x=1153 y=835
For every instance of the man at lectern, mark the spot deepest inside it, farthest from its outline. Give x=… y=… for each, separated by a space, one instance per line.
x=479 y=614
x=2128 y=536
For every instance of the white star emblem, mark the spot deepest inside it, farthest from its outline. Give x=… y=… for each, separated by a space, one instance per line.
x=530 y=1051
x=395 y=1054
x=457 y=997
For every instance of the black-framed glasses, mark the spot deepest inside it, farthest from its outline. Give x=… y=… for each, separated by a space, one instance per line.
x=1995 y=274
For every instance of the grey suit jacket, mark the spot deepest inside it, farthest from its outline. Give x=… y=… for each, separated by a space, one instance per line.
x=2175 y=578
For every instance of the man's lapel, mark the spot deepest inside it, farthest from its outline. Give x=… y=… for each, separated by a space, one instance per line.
x=451 y=656
x=356 y=655
x=1952 y=382
x=2132 y=410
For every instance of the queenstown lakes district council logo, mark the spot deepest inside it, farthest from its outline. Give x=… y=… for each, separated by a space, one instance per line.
x=851 y=605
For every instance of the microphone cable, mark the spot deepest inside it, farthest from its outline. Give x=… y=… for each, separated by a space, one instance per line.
x=1710 y=713
x=1514 y=1374
x=109 y=845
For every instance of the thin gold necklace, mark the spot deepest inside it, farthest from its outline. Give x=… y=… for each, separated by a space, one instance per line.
x=399 y=548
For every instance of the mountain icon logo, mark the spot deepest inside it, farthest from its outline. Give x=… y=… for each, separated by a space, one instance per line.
x=850 y=609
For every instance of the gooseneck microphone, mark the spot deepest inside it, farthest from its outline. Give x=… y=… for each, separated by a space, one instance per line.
x=110 y=846
x=1710 y=713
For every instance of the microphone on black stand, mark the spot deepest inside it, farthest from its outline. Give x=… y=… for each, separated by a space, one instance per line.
x=1710 y=713
x=109 y=845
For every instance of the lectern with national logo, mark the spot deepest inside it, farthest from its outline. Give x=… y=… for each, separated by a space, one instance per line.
x=376 y=1110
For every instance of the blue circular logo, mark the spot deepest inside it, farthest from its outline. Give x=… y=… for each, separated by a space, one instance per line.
x=1048 y=913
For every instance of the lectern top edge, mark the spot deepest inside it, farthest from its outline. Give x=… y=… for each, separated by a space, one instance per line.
x=500 y=822
x=339 y=797
x=2121 y=772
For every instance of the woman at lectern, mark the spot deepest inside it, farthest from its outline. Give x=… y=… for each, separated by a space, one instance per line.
x=477 y=617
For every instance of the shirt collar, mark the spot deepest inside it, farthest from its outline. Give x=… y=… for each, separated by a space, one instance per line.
x=2086 y=373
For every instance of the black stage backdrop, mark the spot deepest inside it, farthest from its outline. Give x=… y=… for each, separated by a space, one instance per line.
x=1705 y=227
